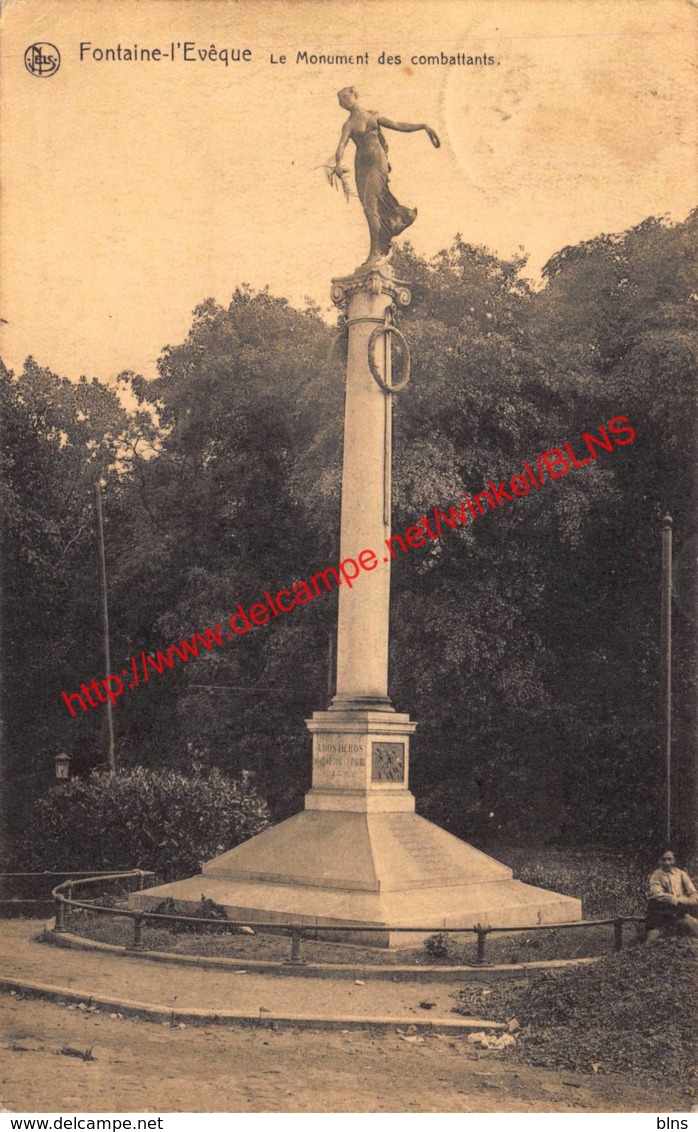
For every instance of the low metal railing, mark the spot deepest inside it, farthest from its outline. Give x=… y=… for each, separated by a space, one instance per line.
x=29 y=880
x=65 y=902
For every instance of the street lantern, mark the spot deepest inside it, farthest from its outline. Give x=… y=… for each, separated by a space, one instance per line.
x=62 y=764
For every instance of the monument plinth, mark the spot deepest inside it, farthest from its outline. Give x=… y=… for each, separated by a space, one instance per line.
x=358 y=855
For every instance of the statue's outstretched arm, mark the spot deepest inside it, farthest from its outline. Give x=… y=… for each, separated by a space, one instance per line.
x=410 y=128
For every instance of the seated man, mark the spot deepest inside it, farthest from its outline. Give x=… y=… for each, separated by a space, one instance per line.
x=673 y=900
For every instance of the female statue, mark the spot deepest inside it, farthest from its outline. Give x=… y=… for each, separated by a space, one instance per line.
x=386 y=217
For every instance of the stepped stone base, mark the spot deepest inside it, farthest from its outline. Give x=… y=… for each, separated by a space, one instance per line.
x=360 y=869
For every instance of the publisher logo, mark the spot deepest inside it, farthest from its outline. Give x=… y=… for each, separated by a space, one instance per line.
x=42 y=60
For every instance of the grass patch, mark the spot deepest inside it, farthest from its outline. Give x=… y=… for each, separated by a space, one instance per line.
x=609 y=883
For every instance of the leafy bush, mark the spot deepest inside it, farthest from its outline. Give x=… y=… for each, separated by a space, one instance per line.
x=438 y=946
x=152 y=819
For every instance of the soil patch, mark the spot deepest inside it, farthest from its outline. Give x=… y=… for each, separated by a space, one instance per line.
x=455 y=950
x=630 y=1012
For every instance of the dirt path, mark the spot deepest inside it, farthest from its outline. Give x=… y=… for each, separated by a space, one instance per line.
x=142 y=1066
x=24 y=956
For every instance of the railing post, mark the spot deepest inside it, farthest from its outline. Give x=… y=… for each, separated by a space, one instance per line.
x=296 y=938
x=67 y=908
x=137 y=942
x=618 y=934
x=60 y=915
x=481 y=944
x=141 y=880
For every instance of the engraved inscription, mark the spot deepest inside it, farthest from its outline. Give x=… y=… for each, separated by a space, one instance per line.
x=429 y=855
x=388 y=762
x=339 y=761
x=339 y=748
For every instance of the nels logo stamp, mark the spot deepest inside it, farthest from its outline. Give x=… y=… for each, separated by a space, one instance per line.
x=42 y=60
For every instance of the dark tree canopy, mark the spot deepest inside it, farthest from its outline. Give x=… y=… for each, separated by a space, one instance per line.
x=525 y=644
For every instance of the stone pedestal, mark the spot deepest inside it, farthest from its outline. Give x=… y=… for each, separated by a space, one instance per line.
x=360 y=762
x=358 y=855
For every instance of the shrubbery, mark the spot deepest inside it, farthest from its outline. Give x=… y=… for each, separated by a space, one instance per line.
x=438 y=947
x=152 y=819
x=609 y=883
x=207 y=910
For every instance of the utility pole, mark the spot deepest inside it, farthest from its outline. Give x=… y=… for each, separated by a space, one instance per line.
x=111 y=760
x=330 y=665
x=665 y=663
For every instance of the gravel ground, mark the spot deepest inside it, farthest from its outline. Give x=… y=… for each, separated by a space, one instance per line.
x=631 y=1012
x=139 y=1066
x=60 y=1057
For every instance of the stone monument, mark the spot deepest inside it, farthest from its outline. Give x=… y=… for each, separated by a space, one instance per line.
x=358 y=855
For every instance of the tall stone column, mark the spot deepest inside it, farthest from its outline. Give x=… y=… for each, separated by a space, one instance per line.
x=364 y=610
x=360 y=746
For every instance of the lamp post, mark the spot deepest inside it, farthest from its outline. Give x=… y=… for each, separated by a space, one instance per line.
x=111 y=758
x=665 y=663
x=62 y=765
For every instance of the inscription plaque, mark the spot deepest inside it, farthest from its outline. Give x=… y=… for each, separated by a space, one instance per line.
x=388 y=762
x=339 y=761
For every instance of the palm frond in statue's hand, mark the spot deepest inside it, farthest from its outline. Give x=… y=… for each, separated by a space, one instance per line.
x=337 y=175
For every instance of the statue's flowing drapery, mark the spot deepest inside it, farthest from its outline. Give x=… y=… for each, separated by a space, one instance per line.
x=371 y=170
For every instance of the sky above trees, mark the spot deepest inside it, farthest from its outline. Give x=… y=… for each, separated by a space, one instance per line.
x=134 y=191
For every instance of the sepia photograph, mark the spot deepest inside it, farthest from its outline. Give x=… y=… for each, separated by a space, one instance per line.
x=349 y=561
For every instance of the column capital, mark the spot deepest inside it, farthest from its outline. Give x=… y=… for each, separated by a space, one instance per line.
x=375 y=279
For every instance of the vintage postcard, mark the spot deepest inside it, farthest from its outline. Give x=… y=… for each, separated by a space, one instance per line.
x=349 y=557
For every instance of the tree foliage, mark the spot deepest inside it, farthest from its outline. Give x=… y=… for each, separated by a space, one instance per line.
x=525 y=645
x=57 y=438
